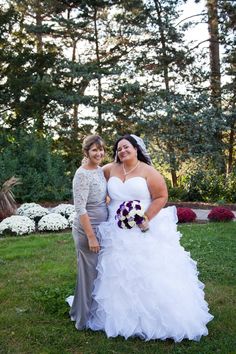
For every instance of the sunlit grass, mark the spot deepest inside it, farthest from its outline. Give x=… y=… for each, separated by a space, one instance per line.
x=38 y=272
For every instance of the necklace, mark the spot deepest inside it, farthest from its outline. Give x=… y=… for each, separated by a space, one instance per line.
x=132 y=169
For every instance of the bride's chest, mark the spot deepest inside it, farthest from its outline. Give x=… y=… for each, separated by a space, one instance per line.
x=132 y=188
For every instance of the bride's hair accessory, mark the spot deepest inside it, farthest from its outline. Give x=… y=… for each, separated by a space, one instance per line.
x=142 y=147
x=130 y=214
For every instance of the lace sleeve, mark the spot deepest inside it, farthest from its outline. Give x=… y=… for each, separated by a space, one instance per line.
x=80 y=192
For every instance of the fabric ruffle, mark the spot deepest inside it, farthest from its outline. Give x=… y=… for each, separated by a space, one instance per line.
x=147 y=284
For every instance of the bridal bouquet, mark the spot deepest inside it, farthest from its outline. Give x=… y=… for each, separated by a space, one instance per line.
x=129 y=214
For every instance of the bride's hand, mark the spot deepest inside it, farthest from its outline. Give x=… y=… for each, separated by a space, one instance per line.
x=145 y=225
x=93 y=245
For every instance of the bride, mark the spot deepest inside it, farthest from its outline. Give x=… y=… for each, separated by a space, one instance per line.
x=147 y=284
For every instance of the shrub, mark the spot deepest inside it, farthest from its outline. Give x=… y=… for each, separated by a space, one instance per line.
x=42 y=170
x=177 y=194
x=71 y=219
x=25 y=206
x=17 y=225
x=210 y=186
x=34 y=212
x=52 y=222
x=185 y=215
x=221 y=214
x=64 y=209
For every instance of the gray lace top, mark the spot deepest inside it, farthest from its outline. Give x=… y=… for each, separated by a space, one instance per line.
x=89 y=194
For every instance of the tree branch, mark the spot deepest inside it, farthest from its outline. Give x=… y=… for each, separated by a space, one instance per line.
x=186 y=18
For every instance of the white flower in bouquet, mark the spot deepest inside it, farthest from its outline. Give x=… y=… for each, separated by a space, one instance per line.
x=132 y=213
x=17 y=225
x=71 y=219
x=52 y=222
x=64 y=209
x=35 y=212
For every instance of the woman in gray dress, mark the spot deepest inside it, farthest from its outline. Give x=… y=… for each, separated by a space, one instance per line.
x=89 y=193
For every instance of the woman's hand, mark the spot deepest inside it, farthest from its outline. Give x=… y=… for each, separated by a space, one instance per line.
x=93 y=244
x=145 y=225
x=92 y=240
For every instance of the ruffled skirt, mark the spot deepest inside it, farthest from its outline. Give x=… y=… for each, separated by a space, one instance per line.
x=147 y=284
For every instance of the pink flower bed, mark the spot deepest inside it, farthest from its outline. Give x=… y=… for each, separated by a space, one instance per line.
x=221 y=214
x=185 y=215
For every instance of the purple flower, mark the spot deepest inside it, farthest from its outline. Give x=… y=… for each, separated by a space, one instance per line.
x=118 y=211
x=119 y=224
x=127 y=224
x=138 y=219
x=125 y=212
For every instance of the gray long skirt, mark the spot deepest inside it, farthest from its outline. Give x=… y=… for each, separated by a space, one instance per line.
x=86 y=274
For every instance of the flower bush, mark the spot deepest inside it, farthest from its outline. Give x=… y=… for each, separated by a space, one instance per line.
x=17 y=225
x=64 y=209
x=52 y=222
x=34 y=212
x=221 y=214
x=185 y=215
x=21 y=210
x=71 y=219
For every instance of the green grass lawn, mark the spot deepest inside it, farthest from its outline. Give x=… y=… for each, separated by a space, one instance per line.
x=37 y=273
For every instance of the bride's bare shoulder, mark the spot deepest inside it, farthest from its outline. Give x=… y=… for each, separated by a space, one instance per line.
x=108 y=168
x=150 y=171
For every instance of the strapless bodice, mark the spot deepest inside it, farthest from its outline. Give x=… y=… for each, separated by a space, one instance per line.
x=134 y=188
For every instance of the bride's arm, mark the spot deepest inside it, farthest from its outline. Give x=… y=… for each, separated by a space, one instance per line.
x=158 y=190
x=107 y=170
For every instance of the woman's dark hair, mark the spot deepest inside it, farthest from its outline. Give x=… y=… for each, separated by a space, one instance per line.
x=140 y=155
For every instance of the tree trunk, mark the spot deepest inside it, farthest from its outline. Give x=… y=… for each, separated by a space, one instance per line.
x=215 y=76
x=39 y=117
x=75 y=127
x=231 y=148
x=39 y=23
x=174 y=178
x=167 y=89
x=99 y=129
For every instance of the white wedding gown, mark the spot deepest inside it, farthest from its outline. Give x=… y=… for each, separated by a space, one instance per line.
x=147 y=284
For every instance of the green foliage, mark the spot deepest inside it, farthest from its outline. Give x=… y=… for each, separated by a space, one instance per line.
x=208 y=186
x=42 y=172
x=178 y=194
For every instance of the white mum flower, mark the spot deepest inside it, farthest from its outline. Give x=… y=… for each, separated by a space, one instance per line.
x=52 y=222
x=35 y=212
x=17 y=225
x=25 y=206
x=64 y=209
x=71 y=219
